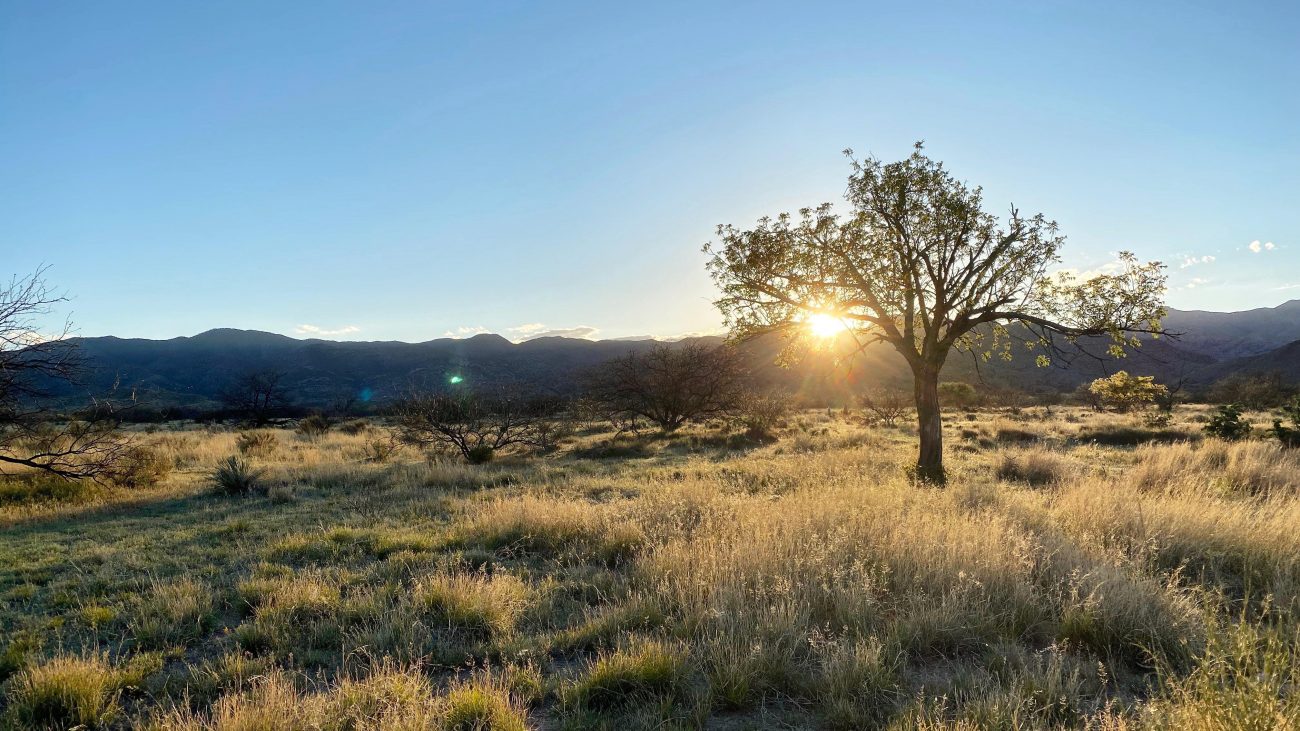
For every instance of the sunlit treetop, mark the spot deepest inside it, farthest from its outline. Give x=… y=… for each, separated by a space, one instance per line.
x=917 y=262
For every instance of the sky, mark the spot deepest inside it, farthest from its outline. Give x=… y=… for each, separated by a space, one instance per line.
x=403 y=171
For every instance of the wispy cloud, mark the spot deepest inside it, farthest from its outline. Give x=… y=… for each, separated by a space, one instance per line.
x=324 y=332
x=534 y=330
x=1286 y=287
x=1256 y=247
x=1195 y=282
x=1192 y=261
x=465 y=332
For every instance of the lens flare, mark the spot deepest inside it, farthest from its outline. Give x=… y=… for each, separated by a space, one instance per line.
x=455 y=379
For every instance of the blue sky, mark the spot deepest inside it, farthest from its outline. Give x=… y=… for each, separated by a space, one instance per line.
x=402 y=170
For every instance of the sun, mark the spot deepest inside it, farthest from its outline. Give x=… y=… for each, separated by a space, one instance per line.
x=822 y=325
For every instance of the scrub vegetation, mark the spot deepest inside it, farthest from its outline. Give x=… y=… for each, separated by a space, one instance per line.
x=697 y=578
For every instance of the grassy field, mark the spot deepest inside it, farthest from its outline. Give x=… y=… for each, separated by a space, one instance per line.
x=1081 y=570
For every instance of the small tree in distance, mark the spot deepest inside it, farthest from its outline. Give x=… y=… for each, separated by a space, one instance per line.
x=473 y=425
x=886 y=405
x=1123 y=392
x=920 y=265
x=670 y=385
x=257 y=396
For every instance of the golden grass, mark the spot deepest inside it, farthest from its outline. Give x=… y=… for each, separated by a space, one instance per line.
x=805 y=582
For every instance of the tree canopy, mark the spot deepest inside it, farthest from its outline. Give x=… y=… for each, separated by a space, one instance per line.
x=918 y=263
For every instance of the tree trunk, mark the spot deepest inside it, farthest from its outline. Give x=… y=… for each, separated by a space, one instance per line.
x=929 y=463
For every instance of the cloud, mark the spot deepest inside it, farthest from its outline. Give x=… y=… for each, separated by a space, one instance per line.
x=1192 y=261
x=534 y=330
x=1286 y=287
x=1195 y=282
x=1257 y=247
x=465 y=332
x=317 y=331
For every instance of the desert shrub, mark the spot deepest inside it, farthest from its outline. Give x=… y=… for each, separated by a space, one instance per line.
x=480 y=454
x=139 y=467
x=313 y=426
x=1034 y=467
x=886 y=406
x=63 y=693
x=256 y=442
x=1289 y=436
x=957 y=395
x=763 y=413
x=353 y=427
x=380 y=450
x=1124 y=392
x=235 y=476
x=1227 y=424
x=1254 y=390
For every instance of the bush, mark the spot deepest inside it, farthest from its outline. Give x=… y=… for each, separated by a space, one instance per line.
x=234 y=476
x=313 y=426
x=1289 y=436
x=761 y=414
x=1227 y=424
x=256 y=442
x=956 y=394
x=481 y=454
x=1033 y=467
x=886 y=406
x=139 y=467
x=353 y=427
x=1123 y=392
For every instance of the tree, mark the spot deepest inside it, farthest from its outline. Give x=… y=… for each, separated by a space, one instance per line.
x=886 y=405
x=86 y=443
x=957 y=394
x=1123 y=392
x=918 y=264
x=476 y=426
x=256 y=396
x=670 y=385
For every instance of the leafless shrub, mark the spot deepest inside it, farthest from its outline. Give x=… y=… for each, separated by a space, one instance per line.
x=474 y=425
x=886 y=406
x=669 y=385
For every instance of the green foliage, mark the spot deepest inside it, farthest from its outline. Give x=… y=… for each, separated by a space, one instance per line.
x=1123 y=392
x=1227 y=424
x=958 y=395
x=235 y=476
x=1289 y=436
x=480 y=454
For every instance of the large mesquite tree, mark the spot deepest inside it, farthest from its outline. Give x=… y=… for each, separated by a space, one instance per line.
x=917 y=263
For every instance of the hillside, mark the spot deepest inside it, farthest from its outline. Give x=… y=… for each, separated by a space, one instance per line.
x=192 y=371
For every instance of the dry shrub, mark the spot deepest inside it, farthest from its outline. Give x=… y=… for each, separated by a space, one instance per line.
x=140 y=467
x=256 y=443
x=1035 y=467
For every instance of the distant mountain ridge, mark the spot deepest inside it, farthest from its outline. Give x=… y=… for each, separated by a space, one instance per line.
x=192 y=371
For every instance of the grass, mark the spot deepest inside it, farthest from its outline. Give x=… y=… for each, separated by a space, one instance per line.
x=1058 y=582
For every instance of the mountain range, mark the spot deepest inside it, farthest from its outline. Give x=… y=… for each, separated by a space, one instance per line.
x=193 y=371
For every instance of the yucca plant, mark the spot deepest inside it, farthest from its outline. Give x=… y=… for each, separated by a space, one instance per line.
x=235 y=476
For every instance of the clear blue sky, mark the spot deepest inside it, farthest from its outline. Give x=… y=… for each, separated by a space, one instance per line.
x=401 y=170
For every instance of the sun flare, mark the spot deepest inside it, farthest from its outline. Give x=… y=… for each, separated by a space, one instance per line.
x=822 y=325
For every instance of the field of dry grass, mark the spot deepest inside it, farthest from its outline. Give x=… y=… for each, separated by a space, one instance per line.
x=1081 y=570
